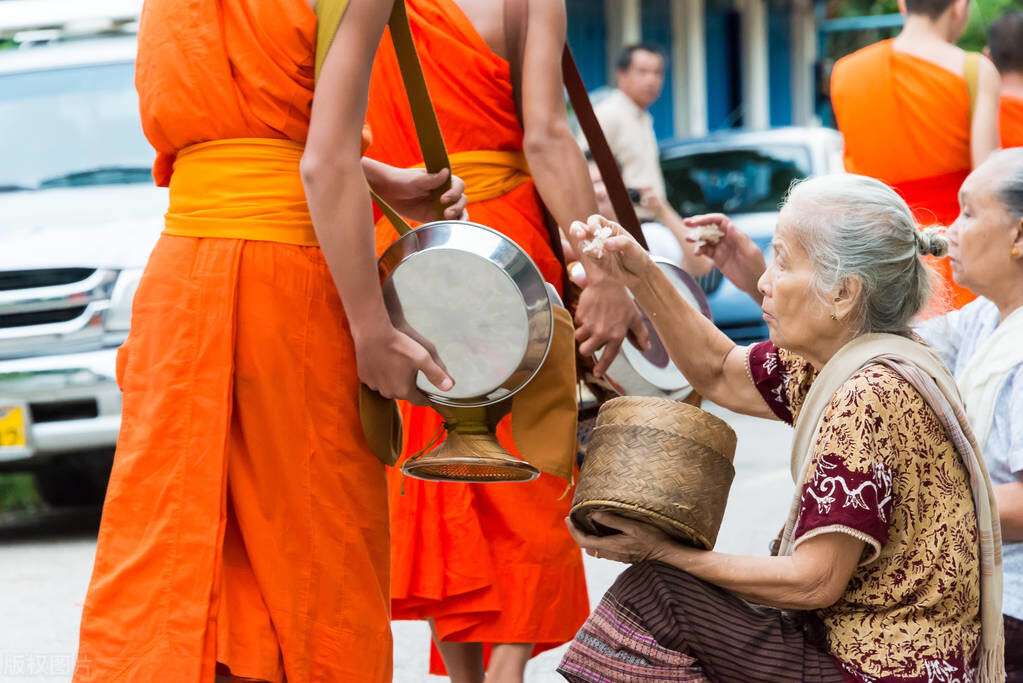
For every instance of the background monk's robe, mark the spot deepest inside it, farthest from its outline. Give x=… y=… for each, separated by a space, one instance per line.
x=1010 y=121
x=246 y=518
x=906 y=122
x=489 y=563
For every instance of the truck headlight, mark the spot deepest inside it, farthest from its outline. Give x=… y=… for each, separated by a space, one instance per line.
x=118 y=317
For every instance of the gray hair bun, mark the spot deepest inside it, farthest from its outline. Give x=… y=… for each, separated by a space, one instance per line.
x=930 y=242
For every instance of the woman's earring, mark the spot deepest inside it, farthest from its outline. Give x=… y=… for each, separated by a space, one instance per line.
x=1015 y=251
x=834 y=317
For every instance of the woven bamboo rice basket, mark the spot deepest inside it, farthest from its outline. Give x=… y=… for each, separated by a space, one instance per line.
x=658 y=461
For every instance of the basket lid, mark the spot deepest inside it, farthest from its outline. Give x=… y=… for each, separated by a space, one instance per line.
x=677 y=418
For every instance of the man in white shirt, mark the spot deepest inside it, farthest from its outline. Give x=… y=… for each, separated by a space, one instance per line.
x=625 y=116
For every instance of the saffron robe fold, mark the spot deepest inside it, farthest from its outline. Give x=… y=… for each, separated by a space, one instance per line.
x=906 y=122
x=1010 y=121
x=245 y=521
x=489 y=563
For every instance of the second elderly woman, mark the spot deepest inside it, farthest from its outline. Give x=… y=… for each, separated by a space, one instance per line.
x=887 y=569
x=982 y=343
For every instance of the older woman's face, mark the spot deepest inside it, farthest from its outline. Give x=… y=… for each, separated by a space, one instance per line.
x=795 y=316
x=982 y=237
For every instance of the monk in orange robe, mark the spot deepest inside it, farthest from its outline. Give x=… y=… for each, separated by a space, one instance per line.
x=1010 y=118
x=1005 y=48
x=904 y=109
x=492 y=564
x=245 y=529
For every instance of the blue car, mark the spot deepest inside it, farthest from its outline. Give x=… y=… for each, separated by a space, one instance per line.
x=744 y=174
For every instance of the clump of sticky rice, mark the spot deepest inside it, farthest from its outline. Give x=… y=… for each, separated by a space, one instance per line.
x=706 y=234
x=595 y=247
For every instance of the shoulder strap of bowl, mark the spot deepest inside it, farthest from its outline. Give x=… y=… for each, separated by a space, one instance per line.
x=328 y=15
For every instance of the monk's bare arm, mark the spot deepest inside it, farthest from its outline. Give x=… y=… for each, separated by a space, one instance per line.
x=336 y=188
x=339 y=204
x=555 y=160
x=605 y=313
x=984 y=137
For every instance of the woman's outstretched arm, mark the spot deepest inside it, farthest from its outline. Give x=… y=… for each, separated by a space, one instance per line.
x=713 y=363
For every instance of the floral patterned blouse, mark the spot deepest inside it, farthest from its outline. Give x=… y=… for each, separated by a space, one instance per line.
x=885 y=472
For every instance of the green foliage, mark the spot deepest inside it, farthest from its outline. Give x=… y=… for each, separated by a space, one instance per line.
x=982 y=13
x=18 y=493
x=860 y=8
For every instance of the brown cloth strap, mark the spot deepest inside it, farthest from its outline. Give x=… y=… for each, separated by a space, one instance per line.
x=599 y=149
x=431 y=142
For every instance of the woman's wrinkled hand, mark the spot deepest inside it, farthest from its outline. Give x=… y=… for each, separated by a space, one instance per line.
x=637 y=542
x=736 y=255
x=618 y=256
x=409 y=192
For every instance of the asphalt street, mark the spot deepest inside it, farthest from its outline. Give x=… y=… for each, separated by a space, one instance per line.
x=46 y=560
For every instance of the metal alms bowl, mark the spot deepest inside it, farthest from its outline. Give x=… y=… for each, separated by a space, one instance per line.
x=651 y=373
x=478 y=299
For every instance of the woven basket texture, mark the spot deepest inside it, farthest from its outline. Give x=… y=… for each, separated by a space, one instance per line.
x=660 y=461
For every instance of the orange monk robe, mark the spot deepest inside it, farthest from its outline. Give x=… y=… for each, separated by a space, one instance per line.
x=245 y=521
x=490 y=563
x=906 y=122
x=1010 y=121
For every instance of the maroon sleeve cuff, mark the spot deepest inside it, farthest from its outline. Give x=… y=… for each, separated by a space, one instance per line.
x=839 y=497
x=768 y=377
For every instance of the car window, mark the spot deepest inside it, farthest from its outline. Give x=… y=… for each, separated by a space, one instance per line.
x=734 y=180
x=72 y=126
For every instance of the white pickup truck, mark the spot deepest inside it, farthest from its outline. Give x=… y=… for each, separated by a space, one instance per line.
x=79 y=215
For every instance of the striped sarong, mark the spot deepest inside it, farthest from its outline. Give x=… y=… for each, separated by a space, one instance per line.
x=658 y=623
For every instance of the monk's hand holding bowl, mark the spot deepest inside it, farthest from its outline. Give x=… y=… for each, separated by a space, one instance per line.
x=636 y=542
x=390 y=360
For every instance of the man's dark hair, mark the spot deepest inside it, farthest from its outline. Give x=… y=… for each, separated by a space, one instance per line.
x=1005 y=41
x=624 y=60
x=932 y=9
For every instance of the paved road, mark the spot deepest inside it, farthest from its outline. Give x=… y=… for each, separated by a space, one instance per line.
x=45 y=564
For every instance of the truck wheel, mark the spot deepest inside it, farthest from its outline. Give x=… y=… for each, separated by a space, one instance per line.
x=79 y=479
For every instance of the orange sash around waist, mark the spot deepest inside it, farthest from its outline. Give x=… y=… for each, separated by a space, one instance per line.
x=242 y=188
x=250 y=188
x=488 y=174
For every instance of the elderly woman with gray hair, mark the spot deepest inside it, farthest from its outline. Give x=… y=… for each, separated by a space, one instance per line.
x=888 y=567
x=983 y=345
